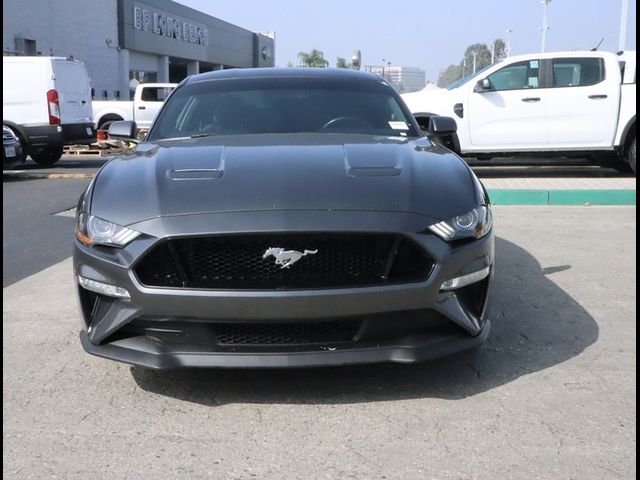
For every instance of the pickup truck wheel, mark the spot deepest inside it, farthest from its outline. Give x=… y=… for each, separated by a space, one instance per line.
x=46 y=156
x=107 y=120
x=631 y=156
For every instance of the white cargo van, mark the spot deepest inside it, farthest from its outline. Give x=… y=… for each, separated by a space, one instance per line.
x=47 y=103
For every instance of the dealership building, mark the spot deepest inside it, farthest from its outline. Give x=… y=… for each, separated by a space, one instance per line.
x=125 y=42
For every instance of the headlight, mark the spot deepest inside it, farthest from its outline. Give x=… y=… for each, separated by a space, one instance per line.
x=92 y=230
x=474 y=224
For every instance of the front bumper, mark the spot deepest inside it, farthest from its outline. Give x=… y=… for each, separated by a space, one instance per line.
x=397 y=323
x=409 y=350
x=12 y=156
x=56 y=136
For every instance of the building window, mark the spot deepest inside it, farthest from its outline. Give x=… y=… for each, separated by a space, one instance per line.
x=25 y=46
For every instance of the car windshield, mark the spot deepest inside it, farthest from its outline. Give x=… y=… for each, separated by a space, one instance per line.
x=282 y=105
x=468 y=78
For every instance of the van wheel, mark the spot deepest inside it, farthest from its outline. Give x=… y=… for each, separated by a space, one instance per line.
x=46 y=156
x=631 y=156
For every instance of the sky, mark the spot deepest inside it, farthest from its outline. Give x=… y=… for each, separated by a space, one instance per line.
x=429 y=34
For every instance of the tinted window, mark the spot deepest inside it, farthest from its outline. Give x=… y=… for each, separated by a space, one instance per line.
x=517 y=76
x=282 y=105
x=155 y=94
x=577 y=72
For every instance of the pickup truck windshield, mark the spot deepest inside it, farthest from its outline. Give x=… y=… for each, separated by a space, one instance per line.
x=282 y=105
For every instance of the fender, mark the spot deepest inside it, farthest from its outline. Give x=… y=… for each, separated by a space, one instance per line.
x=17 y=128
x=97 y=116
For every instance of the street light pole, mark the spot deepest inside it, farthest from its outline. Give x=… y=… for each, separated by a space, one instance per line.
x=622 y=38
x=509 y=31
x=545 y=25
x=475 y=55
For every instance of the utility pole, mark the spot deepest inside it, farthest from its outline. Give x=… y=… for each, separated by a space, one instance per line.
x=509 y=31
x=545 y=25
x=475 y=55
x=622 y=38
x=493 y=52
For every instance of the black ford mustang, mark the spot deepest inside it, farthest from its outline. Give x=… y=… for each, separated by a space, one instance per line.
x=281 y=218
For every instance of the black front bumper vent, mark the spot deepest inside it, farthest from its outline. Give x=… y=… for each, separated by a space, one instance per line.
x=236 y=262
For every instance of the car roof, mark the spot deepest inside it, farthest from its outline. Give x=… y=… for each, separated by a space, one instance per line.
x=565 y=54
x=296 y=72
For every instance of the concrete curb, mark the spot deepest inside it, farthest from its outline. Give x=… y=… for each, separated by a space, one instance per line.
x=498 y=196
x=563 y=197
x=41 y=175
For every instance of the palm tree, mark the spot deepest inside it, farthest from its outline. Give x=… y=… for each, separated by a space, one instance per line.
x=314 y=58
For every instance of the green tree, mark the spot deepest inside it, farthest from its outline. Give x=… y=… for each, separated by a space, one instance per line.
x=500 y=49
x=449 y=75
x=341 y=63
x=314 y=58
x=482 y=55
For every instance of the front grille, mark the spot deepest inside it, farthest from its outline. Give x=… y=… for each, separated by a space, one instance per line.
x=236 y=261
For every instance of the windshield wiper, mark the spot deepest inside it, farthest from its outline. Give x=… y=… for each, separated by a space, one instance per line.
x=200 y=135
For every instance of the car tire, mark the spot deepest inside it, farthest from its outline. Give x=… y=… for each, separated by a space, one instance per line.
x=46 y=156
x=631 y=156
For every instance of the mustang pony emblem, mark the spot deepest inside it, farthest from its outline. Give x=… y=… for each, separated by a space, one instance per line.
x=286 y=258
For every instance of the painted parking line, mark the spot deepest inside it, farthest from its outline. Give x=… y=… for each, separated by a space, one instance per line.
x=562 y=197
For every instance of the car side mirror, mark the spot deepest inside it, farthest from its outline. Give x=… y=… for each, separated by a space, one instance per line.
x=483 y=85
x=439 y=126
x=443 y=130
x=123 y=130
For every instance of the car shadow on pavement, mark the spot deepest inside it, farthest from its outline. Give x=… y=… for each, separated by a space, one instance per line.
x=536 y=325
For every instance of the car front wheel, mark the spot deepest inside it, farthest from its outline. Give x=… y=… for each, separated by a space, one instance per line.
x=631 y=156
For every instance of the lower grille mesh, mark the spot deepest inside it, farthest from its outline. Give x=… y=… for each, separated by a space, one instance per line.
x=285 y=333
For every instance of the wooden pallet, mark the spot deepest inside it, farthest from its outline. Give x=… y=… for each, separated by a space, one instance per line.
x=94 y=149
x=87 y=151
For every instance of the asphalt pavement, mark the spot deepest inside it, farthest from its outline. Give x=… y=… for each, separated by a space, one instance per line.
x=34 y=237
x=551 y=395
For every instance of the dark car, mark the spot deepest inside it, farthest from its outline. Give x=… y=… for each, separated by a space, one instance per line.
x=12 y=155
x=283 y=218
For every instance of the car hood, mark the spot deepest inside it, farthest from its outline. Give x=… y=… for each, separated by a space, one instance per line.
x=327 y=172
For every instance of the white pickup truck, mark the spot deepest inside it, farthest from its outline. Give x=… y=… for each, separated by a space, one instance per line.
x=561 y=103
x=146 y=104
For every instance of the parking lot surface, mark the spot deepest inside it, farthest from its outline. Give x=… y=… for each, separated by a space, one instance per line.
x=551 y=395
